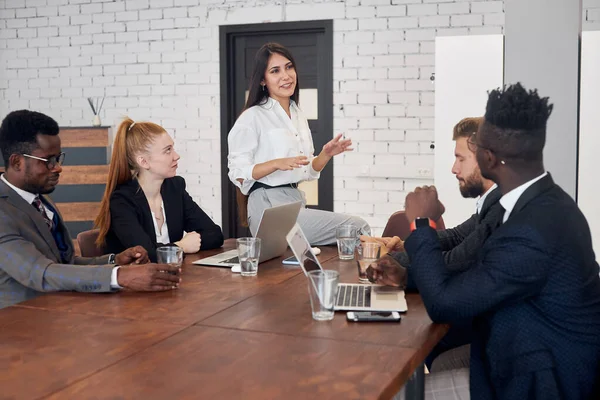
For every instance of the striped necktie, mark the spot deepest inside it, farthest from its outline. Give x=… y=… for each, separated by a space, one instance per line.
x=37 y=203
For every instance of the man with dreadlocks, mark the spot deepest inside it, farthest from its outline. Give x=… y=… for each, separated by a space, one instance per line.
x=534 y=292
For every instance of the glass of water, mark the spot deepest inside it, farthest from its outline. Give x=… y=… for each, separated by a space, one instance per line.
x=172 y=255
x=366 y=254
x=248 y=252
x=322 y=287
x=346 y=241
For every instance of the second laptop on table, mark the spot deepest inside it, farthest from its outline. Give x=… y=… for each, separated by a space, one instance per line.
x=274 y=225
x=350 y=296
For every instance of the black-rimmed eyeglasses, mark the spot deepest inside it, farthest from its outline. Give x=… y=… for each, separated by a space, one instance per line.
x=51 y=162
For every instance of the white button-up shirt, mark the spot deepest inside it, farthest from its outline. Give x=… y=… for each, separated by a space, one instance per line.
x=264 y=133
x=162 y=234
x=509 y=200
x=481 y=199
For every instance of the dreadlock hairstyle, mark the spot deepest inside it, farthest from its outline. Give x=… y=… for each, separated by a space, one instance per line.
x=515 y=123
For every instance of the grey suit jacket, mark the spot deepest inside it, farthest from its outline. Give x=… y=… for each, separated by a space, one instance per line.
x=30 y=261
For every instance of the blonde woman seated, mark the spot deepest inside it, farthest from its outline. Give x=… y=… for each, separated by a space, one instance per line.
x=145 y=203
x=271 y=149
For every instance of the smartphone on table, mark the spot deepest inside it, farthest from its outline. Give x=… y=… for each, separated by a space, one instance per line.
x=373 y=316
x=290 y=261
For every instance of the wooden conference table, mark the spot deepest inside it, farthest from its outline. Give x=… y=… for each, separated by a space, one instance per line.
x=219 y=336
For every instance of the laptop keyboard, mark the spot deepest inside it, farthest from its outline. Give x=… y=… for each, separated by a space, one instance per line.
x=354 y=296
x=232 y=260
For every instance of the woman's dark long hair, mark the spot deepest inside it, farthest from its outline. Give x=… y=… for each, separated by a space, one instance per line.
x=258 y=95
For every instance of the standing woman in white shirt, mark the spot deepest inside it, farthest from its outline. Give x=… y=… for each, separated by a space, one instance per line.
x=271 y=149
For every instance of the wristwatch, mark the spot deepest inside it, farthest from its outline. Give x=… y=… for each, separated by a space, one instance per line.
x=421 y=222
x=111 y=258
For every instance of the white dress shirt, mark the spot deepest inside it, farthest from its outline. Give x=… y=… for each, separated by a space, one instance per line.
x=509 y=200
x=264 y=133
x=481 y=199
x=162 y=234
x=29 y=197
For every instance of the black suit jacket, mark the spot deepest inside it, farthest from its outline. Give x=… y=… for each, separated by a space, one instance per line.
x=131 y=222
x=534 y=295
x=461 y=244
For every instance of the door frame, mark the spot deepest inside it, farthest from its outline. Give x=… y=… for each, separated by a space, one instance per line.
x=227 y=36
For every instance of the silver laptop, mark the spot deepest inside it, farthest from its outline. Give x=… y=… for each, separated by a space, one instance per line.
x=274 y=224
x=355 y=297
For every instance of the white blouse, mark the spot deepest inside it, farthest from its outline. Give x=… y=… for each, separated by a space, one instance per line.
x=162 y=235
x=263 y=133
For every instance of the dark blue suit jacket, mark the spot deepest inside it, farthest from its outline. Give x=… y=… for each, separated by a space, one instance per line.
x=461 y=244
x=534 y=294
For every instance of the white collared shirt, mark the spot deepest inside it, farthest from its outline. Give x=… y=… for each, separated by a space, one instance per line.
x=264 y=133
x=29 y=197
x=162 y=234
x=481 y=199
x=509 y=200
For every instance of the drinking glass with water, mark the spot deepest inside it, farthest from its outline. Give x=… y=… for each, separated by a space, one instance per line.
x=346 y=236
x=322 y=288
x=248 y=252
x=172 y=255
x=366 y=254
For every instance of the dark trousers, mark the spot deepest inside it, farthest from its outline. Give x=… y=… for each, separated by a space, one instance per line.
x=458 y=335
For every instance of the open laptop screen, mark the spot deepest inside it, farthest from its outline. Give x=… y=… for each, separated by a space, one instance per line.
x=301 y=248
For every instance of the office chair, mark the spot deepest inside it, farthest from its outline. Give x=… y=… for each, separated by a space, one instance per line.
x=87 y=243
x=399 y=226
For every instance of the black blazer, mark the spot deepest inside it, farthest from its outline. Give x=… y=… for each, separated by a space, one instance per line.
x=131 y=222
x=533 y=294
x=462 y=243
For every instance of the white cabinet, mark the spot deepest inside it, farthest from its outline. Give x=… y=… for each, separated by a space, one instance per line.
x=466 y=68
x=588 y=185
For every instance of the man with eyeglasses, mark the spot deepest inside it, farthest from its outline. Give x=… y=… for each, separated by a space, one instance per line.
x=36 y=250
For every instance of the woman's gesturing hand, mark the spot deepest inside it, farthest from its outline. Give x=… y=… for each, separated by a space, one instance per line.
x=290 y=163
x=337 y=145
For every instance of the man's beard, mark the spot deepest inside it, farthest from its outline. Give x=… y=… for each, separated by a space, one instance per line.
x=472 y=187
x=35 y=188
x=46 y=191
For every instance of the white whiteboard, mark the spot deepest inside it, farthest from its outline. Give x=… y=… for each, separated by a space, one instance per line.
x=588 y=190
x=466 y=68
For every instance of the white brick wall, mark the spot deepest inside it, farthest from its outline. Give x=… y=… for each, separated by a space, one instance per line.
x=159 y=60
x=591 y=15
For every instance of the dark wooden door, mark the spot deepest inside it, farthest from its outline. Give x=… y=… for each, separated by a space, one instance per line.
x=311 y=43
